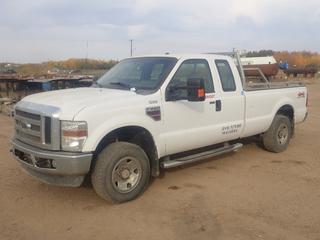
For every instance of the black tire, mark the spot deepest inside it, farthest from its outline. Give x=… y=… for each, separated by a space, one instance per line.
x=274 y=139
x=110 y=174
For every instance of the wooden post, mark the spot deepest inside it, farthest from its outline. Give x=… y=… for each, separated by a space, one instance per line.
x=7 y=88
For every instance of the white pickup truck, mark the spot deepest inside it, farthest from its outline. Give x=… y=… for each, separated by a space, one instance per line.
x=149 y=113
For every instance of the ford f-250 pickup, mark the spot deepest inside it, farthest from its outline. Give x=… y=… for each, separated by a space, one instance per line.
x=151 y=113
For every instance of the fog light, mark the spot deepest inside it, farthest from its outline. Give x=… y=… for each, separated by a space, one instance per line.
x=45 y=163
x=54 y=164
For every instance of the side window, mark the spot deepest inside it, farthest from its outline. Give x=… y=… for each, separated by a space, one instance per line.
x=226 y=76
x=193 y=68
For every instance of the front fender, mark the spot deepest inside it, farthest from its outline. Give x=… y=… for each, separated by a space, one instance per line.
x=99 y=132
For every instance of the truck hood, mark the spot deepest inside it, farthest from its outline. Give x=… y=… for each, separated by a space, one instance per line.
x=71 y=101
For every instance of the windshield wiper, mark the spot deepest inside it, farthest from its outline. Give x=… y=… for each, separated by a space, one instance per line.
x=122 y=84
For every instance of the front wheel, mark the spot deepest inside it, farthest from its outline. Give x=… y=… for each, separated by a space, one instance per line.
x=277 y=138
x=121 y=173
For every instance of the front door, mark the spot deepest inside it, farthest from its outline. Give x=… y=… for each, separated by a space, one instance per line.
x=189 y=125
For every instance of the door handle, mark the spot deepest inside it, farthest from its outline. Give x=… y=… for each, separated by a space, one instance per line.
x=218 y=105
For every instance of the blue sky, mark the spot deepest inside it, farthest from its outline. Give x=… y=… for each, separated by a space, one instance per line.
x=41 y=30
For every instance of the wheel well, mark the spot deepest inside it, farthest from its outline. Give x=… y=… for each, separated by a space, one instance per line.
x=287 y=110
x=136 y=135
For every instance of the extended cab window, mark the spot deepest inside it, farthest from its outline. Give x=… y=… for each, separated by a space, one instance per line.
x=226 y=76
x=193 y=68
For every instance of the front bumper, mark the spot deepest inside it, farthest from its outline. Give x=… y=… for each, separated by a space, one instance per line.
x=55 y=168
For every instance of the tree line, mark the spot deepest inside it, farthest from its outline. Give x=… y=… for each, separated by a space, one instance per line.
x=67 y=66
x=299 y=59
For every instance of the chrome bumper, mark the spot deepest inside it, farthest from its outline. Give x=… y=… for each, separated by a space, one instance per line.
x=55 y=168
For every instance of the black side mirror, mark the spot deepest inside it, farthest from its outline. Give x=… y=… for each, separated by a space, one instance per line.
x=196 y=90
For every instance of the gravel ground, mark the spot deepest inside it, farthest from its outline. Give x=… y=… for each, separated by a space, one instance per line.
x=251 y=194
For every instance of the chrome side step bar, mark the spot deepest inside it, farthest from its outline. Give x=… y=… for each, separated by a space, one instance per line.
x=167 y=163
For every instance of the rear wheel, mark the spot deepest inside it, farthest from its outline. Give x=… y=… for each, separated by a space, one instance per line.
x=121 y=173
x=277 y=138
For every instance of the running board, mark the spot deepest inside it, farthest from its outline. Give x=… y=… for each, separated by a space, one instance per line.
x=200 y=156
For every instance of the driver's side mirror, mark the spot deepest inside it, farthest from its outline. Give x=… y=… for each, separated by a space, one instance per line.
x=196 y=90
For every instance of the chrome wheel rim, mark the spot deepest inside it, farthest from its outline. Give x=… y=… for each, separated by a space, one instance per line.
x=282 y=134
x=126 y=174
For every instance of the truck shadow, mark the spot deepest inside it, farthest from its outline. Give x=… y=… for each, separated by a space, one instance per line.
x=246 y=141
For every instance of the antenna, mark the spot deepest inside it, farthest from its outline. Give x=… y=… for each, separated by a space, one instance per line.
x=87 y=47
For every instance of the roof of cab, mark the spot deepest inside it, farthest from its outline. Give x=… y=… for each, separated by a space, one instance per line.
x=179 y=56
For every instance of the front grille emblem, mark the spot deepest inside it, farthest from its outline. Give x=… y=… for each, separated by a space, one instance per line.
x=26 y=125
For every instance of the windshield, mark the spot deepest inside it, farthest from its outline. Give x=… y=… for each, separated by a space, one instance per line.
x=145 y=73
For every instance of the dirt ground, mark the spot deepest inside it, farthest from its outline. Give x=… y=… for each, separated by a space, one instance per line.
x=251 y=194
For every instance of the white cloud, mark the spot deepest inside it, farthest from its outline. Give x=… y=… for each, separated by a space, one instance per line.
x=260 y=11
x=136 y=31
x=42 y=29
x=263 y=11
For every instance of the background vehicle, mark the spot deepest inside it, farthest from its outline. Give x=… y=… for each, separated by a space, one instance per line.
x=149 y=113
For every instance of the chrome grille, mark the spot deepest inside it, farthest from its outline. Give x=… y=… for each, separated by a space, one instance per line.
x=24 y=114
x=28 y=126
x=33 y=128
x=38 y=125
x=31 y=137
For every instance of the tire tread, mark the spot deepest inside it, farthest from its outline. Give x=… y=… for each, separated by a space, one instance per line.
x=104 y=162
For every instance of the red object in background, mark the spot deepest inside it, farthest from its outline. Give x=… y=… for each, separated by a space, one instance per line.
x=267 y=69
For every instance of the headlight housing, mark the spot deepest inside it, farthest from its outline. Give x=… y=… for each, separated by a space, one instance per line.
x=73 y=135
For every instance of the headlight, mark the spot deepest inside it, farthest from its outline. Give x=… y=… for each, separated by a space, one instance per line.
x=73 y=135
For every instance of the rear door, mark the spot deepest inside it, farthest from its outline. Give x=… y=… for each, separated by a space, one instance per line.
x=229 y=98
